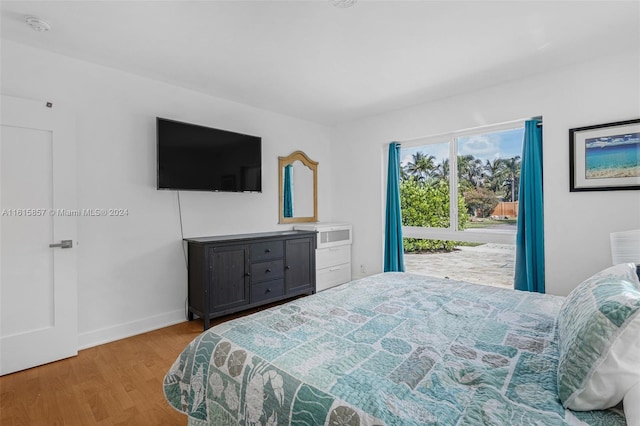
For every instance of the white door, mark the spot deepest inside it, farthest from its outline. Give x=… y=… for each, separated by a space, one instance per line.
x=38 y=293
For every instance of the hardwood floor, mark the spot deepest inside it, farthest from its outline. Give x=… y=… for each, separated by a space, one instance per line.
x=119 y=383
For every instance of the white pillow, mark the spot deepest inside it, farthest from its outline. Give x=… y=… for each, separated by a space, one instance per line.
x=599 y=340
x=632 y=406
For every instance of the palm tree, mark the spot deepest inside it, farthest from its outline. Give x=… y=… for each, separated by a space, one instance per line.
x=442 y=170
x=421 y=167
x=470 y=170
x=512 y=172
x=403 y=174
x=494 y=174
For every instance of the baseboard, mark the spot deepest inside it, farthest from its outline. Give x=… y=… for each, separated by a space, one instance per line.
x=122 y=331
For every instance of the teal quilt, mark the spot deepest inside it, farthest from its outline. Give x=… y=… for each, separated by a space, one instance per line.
x=390 y=349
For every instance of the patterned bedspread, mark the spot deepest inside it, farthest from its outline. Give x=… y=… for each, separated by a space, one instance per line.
x=390 y=349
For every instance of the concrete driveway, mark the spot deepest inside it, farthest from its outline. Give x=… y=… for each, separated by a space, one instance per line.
x=489 y=264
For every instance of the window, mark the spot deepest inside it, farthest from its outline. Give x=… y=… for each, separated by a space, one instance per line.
x=479 y=170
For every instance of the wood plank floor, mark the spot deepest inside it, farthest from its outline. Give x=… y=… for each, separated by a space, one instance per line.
x=119 y=383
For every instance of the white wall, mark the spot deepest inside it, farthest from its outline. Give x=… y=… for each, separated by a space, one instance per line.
x=131 y=274
x=577 y=225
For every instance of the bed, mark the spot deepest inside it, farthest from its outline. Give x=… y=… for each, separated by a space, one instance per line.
x=389 y=349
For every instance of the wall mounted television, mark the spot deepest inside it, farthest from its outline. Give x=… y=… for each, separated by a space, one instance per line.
x=199 y=158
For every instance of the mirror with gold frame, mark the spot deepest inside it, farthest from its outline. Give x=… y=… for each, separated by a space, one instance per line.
x=297 y=188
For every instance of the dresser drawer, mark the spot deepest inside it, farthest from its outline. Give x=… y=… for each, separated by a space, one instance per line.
x=265 y=271
x=332 y=256
x=267 y=290
x=334 y=236
x=267 y=250
x=332 y=276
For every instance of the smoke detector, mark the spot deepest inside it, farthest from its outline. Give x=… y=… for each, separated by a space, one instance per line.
x=342 y=3
x=39 y=25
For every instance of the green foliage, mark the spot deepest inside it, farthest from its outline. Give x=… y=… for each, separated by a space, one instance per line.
x=424 y=193
x=418 y=245
x=427 y=204
x=500 y=175
x=424 y=205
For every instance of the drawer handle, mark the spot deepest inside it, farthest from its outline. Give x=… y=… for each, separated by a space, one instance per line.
x=334 y=269
x=268 y=290
x=268 y=270
x=247 y=274
x=267 y=251
x=287 y=267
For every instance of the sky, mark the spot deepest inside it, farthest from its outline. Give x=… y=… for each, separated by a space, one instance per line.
x=486 y=146
x=624 y=139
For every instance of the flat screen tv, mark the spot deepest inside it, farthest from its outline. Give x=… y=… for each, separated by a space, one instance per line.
x=198 y=158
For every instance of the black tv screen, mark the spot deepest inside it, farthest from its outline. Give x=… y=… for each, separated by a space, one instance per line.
x=192 y=157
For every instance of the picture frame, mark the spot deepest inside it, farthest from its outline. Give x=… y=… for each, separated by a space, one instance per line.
x=605 y=157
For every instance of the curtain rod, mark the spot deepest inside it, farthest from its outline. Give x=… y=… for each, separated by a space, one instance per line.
x=505 y=123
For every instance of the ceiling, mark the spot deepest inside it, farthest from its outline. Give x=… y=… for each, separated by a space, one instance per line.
x=310 y=60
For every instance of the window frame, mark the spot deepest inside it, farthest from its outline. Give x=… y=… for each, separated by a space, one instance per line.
x=453 y=233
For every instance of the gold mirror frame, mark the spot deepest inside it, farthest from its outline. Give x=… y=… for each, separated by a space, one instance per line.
x=313 y=165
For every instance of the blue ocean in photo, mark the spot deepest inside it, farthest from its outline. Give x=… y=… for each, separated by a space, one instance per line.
x=613 y=161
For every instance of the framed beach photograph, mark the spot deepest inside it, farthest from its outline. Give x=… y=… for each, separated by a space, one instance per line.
x=605 y=157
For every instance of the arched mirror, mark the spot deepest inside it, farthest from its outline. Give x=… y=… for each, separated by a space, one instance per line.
x=298 y=188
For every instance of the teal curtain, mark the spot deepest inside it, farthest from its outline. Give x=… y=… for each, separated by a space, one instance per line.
x=529 y=274
x=393 y=250
x=288 y=191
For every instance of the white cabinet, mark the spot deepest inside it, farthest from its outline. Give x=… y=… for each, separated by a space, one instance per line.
x=333 y=253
